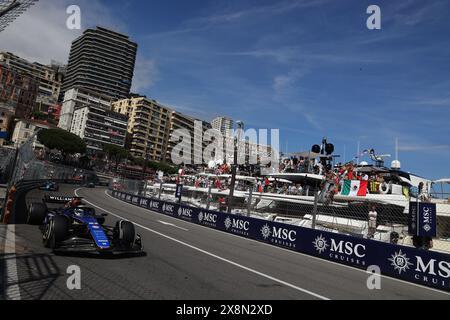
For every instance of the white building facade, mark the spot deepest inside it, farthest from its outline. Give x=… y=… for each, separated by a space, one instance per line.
x=24 y=130
x=77 y=98
x=222 y=124
x=98 y=126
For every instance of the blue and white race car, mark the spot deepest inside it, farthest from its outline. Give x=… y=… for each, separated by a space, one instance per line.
x=76 y=228
x=50 y=186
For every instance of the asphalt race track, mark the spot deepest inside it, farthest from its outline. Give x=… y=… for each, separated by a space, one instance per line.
x=183 y=261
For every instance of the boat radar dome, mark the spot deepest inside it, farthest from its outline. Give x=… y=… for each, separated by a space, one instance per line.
x=396 y=165
x=363 y=164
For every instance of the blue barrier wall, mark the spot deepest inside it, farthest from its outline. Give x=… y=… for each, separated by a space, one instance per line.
x=427 y=268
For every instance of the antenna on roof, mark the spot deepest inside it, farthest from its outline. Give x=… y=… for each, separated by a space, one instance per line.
x=396 y=149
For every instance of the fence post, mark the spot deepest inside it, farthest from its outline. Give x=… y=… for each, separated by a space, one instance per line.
x=314 y=215
x=249 y=206
x=208 y=197
x=160 y=191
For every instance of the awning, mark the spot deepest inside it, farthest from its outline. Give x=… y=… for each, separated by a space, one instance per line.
x=307 y=155
x=371 y=170
x=280 y=180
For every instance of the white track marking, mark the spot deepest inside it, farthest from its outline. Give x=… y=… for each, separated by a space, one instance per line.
x=287 y=284
x=172 y=225
x=12 y=278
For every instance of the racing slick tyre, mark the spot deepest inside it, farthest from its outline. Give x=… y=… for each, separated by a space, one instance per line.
x=125 y=232
x=55 y=231
x=36 y=214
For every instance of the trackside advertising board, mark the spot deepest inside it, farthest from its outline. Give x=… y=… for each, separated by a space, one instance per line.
x=427 y=268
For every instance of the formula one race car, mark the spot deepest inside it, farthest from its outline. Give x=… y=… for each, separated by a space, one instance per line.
x=76 y=228
x=50 y=186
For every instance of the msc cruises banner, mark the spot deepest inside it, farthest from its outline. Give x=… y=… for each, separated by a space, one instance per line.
x=427 y=268
x=422 y=220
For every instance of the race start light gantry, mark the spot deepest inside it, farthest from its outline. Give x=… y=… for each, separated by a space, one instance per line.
x=10 y=10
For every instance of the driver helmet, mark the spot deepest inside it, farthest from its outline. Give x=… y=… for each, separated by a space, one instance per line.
x=79 y=212
x=75 y=203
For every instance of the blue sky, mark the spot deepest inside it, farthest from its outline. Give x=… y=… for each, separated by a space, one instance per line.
x=309 y=68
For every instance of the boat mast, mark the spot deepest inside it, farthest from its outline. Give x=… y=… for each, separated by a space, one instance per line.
x=359 y=152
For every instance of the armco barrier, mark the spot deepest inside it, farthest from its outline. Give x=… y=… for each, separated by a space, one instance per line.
x=427 y=268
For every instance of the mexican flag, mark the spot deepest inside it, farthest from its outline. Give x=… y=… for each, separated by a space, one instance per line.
x=354 y=188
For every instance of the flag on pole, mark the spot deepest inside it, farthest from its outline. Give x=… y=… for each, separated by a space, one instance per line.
x=354 y=188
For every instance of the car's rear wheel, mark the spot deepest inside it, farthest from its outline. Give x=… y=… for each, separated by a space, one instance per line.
x=125 y=232
x=56 y=231
x=36 y=214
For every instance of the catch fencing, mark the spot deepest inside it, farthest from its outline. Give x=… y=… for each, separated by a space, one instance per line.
x=336 y=214
x=22 y=169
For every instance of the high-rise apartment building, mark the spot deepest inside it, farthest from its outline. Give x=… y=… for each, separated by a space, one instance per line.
x=102 y=61
x=147 y=126
x=98 y=126
x=179 y=121
x=48 y=77
x=151 y=126
x=18 y=91
x=222 y=124
x=77 y=98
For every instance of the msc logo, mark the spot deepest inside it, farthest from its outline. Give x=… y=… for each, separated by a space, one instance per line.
x=144 y=203
x=400 y=262
x=348 y=248
x=320 y=244
x=345 y=251
x=153 y=205
x=432 y=271
x=168 y=208
x=185 y=212
x=207 y=217
x=238 y=226
x=279 y=233
x=427 y=219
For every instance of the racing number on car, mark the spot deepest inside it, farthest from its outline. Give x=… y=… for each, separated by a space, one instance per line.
x=74 y=279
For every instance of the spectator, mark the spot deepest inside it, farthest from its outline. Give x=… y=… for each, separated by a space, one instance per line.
x=372 y=222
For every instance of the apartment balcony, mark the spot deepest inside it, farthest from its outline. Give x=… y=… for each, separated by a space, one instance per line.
x=140 y=129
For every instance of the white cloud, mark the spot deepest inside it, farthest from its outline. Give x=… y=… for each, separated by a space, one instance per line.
x=437 y=102
x=273 y=9
x=145 y=75
x=40 y=34
x=281 y=82
x=412 y=148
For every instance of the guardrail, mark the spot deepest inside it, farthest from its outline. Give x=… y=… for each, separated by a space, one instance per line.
x=426 y=268
x=15 y=209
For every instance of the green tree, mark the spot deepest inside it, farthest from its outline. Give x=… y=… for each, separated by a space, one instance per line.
x=115 y=153
x=65 y=142
x=157 y=166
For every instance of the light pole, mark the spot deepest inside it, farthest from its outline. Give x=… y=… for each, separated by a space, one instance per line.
x=237 y=139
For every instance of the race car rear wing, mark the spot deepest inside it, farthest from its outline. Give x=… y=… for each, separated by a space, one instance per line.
x=60 y=199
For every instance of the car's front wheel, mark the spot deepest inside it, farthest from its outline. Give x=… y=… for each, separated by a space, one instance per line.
x=124 y=232
x=55 y=231
x=36 y=214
